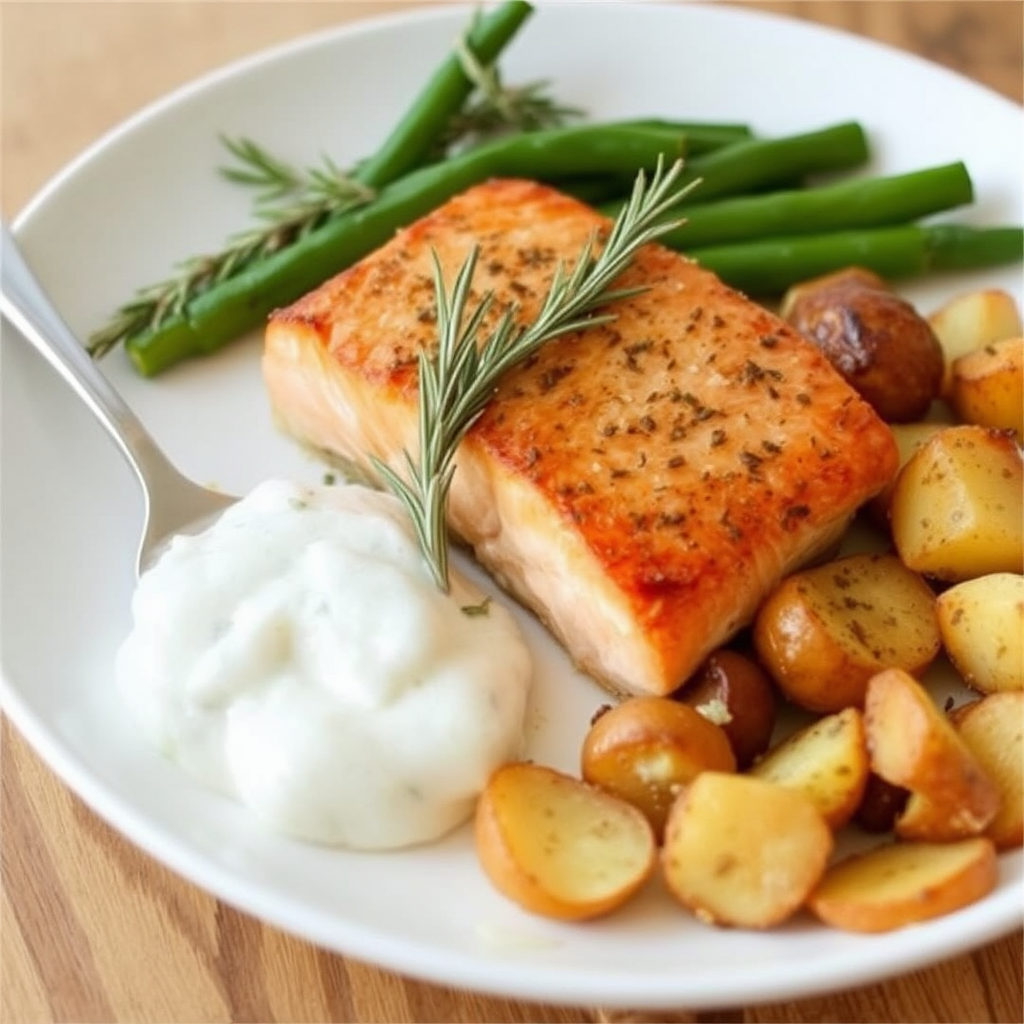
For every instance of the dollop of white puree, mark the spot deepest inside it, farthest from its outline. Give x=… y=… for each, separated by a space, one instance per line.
x=298 y=657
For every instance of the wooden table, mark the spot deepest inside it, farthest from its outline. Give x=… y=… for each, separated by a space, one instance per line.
x=92 y=929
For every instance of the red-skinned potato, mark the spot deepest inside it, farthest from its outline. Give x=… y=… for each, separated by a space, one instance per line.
x=880 y=344
x=733 y=691
x=646 y=749
x=880 y=805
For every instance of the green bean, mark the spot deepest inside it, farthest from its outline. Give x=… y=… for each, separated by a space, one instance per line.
x=854 y=203
x=759 y=165
x=415 y=135
x=229 y=309
x=755 y=163
x=767 y=267
x=701 y=136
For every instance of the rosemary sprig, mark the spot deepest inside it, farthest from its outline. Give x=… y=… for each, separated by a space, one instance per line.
x=524 y=108
x=457 y=378
x=313 y=198
x=291 y=202
x=277 y=180
x=496 y=107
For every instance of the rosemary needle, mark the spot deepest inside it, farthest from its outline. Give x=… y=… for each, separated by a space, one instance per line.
x=458 y=376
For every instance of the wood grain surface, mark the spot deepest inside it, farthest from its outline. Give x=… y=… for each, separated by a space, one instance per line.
x=91 y=929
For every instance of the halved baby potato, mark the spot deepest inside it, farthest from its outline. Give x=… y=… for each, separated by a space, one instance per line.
x=824 y=632
x=743 y=852
x=912 y=744
x=957 y=507
x=902 y=883
x=646 y=749
x=988 y=386
x=970 y=321
x=827 y=761
x=982 y=626
x=993 y=729
x=559 y=847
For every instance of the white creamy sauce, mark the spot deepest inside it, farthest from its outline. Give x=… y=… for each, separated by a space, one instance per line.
x=298 y=657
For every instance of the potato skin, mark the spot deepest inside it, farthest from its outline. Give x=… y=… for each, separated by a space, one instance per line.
x=880 y=344
x=559 y=847
x=734 y=688
x=743 y=852
x=899 y=884
x=987 y=386
x=824 y=632
x=912 y=744
x=646 y=749
x=880 y=805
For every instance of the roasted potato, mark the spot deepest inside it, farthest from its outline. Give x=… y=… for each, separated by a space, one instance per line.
x=878 y=341
x=824 y=632
x=981 y=622
x=903 y=883
x=558 y=846
x=827 y=761
x=987 y=386
x=958 y=505
x=734 y=692
x=912 y=744
x=743 y=852
x=971 y=321
x=993 y=729
x=647 y=749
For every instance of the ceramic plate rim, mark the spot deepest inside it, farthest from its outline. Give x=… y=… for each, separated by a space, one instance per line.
x=977 y=925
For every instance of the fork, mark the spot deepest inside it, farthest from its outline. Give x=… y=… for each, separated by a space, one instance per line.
x=173 y=503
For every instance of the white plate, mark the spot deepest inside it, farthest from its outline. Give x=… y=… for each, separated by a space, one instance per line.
x=147 y=196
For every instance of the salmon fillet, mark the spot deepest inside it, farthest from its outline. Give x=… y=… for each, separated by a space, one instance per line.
x=640 y=485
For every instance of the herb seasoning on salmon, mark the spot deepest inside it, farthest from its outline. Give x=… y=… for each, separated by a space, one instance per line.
x=641 y=485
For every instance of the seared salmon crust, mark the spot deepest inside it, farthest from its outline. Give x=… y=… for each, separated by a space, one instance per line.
x=640 y=485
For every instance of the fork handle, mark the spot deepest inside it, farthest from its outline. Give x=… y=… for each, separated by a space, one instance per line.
x=26 y=305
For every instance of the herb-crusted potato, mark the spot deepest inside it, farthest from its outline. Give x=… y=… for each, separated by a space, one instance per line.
x=982 y=626
x=958 y=505
x=646 y=749
x=559 y=847
x=993 y=729
x=912 y=744
x=903 y=883
x=987 y=386
x=743 y=852
x=826 y=760
x=972 y=320
x=824 y=632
